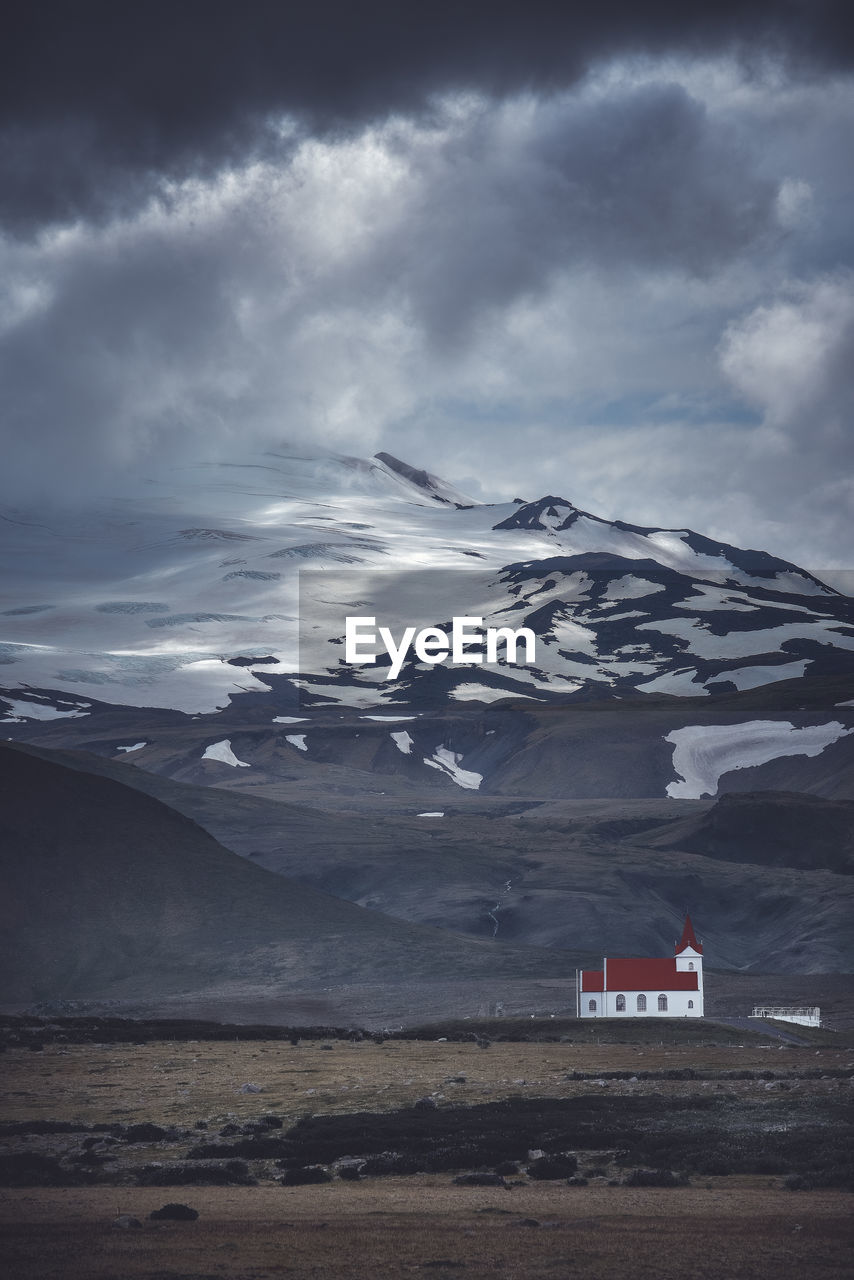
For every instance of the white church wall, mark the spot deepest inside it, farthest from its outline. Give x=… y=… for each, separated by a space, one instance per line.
x=679 y=1004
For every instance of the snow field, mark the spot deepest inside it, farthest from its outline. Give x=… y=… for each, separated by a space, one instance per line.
x=703 y=753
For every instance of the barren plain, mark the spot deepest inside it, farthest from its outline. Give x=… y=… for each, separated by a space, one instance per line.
x=751 y=1136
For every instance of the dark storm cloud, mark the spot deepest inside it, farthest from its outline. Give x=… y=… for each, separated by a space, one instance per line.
x=160 y=334
x=504 y=241
x=99 y=100
x=642 y=179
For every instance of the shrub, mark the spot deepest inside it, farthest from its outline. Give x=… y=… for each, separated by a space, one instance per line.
x=143 y=1133
x=175 y=1212
x=391 y=1163
x=555 y=1166
x=223 y=1173
x=268 y=1122
x=654 y=1178
x=444 y=1159
x=257 y=1148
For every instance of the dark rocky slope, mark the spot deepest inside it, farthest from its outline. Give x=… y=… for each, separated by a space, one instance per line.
x=108 y=893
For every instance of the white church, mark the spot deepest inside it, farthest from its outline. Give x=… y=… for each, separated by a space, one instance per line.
x=642 y=988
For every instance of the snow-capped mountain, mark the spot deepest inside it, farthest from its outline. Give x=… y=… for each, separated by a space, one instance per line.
x=220 y=591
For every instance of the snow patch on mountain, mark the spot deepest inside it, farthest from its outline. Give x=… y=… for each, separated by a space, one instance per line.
x=743 y=644
x=21 y=710
x=470 y=692
x=572 y=637
x=403 y=741
x=183 y=681
x=630 y=587
x=289 y=719
x=388 y=719
x=137 y=746
x=706 y=596
x=753 y=677
x=297 y=740
x=222 y=752
x=672 y=547
x=682 y=684
x=800 y=584
x=448 y=762
x=703 y=753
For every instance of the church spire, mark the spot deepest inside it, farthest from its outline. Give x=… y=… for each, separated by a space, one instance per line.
x=688 y=938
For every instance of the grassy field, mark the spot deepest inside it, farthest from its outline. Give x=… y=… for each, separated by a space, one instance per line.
x=182 y=1084
x=734 y=1120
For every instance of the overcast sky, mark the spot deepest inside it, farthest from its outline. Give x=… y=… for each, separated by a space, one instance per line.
x=602 y=250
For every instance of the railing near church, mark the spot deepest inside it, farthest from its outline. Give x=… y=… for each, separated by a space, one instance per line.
x=805 y=1015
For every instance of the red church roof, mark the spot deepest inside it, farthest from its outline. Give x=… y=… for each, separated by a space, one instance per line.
x=592 y=980
x=649 y=975
x=688 y=939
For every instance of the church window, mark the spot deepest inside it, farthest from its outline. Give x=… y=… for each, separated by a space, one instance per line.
x=690 y=964
x=621 y=1004
x=690 y=1004
x=591 y=1008
x=641 y=1004
x=662 y=1004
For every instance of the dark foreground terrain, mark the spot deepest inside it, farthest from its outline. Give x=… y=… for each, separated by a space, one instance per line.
x=542 y=1150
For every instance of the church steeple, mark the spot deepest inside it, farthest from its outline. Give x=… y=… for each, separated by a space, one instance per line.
x=688 y=938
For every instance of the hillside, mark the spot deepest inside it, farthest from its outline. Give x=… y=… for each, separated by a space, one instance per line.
x=108 y=893
x=580 y=876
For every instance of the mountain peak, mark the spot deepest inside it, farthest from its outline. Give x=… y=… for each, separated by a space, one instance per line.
x=545 y=513
x=438 y=489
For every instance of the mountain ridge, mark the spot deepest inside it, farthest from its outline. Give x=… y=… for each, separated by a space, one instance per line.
x=263 y=561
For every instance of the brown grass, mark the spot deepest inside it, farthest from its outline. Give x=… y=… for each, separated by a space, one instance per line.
x=180 y=1083
x=422 y=1225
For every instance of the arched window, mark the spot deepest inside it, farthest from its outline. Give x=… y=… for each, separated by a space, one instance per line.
x=641 y=1004
x=621 y=1004
x=591 y=1008
x=690 y=1004
x=662 y=1004
x=690 y=964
